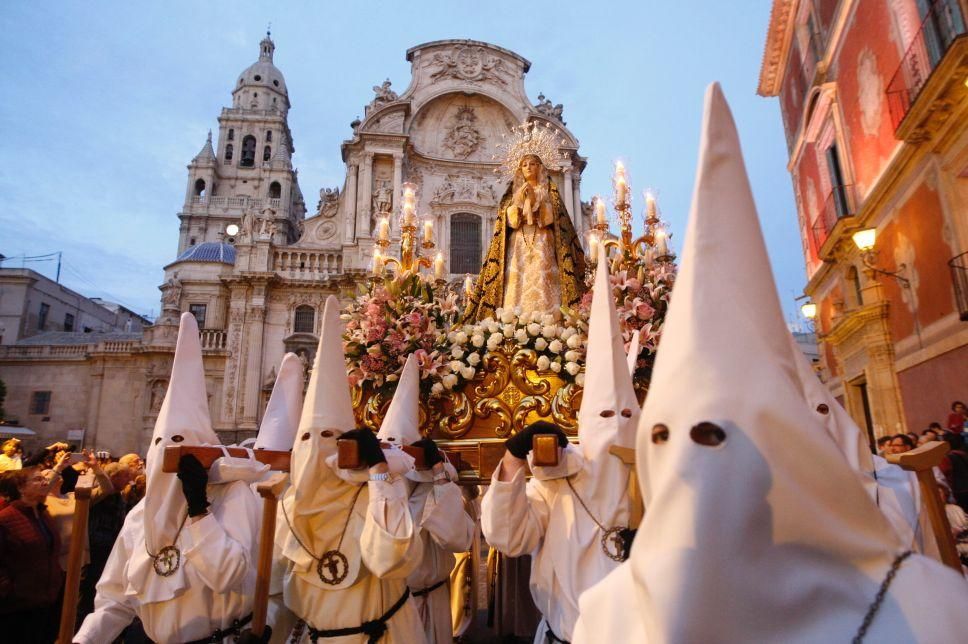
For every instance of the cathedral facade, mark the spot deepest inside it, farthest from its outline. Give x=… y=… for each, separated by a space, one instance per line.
x=254 y=263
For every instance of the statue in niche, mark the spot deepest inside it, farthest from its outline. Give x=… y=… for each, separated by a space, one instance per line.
x=158 y=390
x=535 y=261
x=383 y=197
x=247 y=225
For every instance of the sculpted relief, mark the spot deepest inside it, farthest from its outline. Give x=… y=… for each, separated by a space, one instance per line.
x=463 y=137
x=468 y=63
x=461 y=128
x=465 y=187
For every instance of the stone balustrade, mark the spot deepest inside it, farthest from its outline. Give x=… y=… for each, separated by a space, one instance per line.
x=306 y=264
x=219 y=201
x=212 y=339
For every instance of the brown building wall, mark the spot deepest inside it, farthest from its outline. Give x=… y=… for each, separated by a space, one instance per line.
x=929 y=388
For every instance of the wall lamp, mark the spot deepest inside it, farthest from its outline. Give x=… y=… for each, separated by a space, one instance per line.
x=865 y=240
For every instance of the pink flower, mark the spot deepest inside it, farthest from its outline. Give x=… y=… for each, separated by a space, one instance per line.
x=642 y=309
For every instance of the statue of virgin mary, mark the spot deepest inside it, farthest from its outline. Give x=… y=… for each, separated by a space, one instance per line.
x=534 y=261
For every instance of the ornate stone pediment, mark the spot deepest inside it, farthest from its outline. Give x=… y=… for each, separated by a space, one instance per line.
x=464 y=187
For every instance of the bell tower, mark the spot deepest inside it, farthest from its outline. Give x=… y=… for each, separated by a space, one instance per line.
x=250 y=169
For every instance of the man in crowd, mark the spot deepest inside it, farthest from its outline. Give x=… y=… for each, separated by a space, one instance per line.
x=184 y=562
x=574 y=517
x=437 y=506
x=347 y=536
x=758 y=529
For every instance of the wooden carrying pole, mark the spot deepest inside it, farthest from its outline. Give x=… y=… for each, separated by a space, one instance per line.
x=75 y=558
x=269 y=490
x=206 y=455
x=921 y=461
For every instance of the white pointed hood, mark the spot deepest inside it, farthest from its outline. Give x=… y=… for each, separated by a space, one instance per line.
x=183 y=419
x=633 y=354
x=767 y=536
x=401 y=425
x=609 y=409
x=281 y=419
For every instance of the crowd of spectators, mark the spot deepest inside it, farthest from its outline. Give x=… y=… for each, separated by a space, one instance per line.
x=36 y=520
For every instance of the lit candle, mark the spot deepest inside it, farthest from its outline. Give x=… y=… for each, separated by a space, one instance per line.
x=600 y=216
x=621 y=189
x=650 y=205
x=468 y=285
x=649 y=256
x=377 y=263
x=409 y=204
x=439 y=266
x=428 y=231
x=661 y=245
x=593 y=248
x=384 y=229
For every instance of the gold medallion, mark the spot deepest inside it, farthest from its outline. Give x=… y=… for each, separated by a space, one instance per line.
x=332 y=567
x=167 y=560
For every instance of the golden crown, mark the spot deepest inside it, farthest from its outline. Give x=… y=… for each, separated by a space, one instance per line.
x=526 y=139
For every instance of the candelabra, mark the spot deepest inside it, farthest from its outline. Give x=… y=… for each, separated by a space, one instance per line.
x=651 y=246
x=411 y=258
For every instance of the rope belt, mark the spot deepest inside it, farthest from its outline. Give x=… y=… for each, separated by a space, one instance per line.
x=373 y=629
x=221 y=633
x=554 y=639
x=429 y=589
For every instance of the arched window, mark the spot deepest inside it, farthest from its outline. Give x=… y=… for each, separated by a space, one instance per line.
x=231 y=134
x=269 y=136
x=304 y=319
x=248 y=152
x=275 y=190
x=200 y=188
x=228 y=152
x=267 y=153
x=465 y=243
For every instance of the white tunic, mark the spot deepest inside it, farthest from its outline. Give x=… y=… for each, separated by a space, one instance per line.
x=544 y=518
x=444 y=528
x=382 y=550
x=218 y=556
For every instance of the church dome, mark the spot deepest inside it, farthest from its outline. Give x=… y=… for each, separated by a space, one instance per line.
x=216 y=252
x=263 y=73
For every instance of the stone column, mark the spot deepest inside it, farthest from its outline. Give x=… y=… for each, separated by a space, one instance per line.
x=576 y=200
x=349 y=203
x=251 y=381
x=231 y=383
x=569 y=194
x=397 y=181
x=364 y=198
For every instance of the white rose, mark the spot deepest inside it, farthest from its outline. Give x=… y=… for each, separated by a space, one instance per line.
x=555 y=346
x=574 y=341
x=534 y=328
x=547 y=319
x=540 y=344
x=437 y=389
x=549 y=331
x=492 y=344
x=452 y=337
x=568 y=332
x=508 y=330
x=572 y=368
x=580 y=380
x=491 y=326
x=571 y=356
x=521 y=336
x=450 y=381
x=507 y=317
x=457 y=353
x=473 y=359
x=497 y=338
x=499 y=312
x=468 y=373
x=477 y=340
x=556 y=367
x=543 y=363
x=456 y=365
x=461 y=338
x=517 y=311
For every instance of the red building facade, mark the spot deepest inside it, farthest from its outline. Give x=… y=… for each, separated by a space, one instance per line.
x=875 y=109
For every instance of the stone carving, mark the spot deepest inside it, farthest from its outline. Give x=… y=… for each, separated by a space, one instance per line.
x=328 y=202
x=158 y=390
x=465 y=187
x=391 y=123
x=171 y=292
x=325 y=230
x=468 y=63
x=545 y=108
x=464 y=137
x=383 y=94
x=247 y=225
x=383 y=196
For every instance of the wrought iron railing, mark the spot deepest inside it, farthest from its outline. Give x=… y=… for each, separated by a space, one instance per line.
x=839 y=204
x=941 y=25
x=959 y=279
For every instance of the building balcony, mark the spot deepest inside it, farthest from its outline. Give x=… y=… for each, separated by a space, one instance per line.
x=959 y=279
x=306 y=264
x=928 y=72
x=205 y=202
x=835 y=218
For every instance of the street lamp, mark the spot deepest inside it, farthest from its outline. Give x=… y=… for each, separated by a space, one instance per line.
x=232 y=230
x=809 y=310
x=865 y=240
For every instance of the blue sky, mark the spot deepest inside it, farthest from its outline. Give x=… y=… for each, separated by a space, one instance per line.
x=107 y=102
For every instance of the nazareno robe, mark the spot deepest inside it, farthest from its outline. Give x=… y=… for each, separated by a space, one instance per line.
x=219 y=560
x=488 y=295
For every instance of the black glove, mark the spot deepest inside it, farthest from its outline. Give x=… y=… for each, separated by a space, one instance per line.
x=370 y=451
x=628 y=536
x=432 y=454
x=520 y=444
x=248 y=637
x=194 y=481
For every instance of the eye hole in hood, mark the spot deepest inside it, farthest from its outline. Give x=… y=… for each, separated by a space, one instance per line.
x=708 y=434
x=660 y=434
